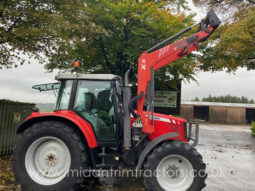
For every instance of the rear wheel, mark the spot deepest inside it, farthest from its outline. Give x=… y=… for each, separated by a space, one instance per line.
x=49 y=156
x=174 y=166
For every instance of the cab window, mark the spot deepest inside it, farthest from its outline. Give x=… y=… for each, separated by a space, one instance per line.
x=64 y=95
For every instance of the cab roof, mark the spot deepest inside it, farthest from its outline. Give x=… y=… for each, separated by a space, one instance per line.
x=87 y=77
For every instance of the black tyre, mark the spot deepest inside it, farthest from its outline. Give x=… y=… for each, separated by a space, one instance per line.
x=174 y=166
x=49 y=156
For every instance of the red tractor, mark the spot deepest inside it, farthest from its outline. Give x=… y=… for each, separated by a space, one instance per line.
x=91 y=128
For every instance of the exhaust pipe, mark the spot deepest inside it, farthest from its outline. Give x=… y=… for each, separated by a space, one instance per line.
x=126 y=114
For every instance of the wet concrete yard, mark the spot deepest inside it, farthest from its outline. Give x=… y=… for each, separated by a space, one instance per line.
x=228 y=151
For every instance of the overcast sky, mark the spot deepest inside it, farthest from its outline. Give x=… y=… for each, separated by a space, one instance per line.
x=16 y=84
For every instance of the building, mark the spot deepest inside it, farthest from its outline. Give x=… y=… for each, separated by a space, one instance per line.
x=218 y=112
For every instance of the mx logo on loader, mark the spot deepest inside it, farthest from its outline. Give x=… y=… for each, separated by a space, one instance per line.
x=144 y=64
x=143 y=67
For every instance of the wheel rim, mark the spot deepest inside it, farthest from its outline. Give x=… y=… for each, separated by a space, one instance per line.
x=47 y=160
x=175 y=172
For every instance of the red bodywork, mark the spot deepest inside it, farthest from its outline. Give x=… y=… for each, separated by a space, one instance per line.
x=159 y=59
x=163 y=124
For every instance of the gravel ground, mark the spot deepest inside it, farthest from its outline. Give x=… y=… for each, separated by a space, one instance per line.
x=228 y=151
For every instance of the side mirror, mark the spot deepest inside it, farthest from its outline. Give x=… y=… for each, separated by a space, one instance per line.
x=47 y=87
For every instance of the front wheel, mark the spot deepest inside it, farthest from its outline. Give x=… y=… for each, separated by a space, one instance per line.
x=49 y=156
x=174 y=166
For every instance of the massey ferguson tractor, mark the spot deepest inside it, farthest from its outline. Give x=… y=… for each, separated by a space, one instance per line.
x=95 y=126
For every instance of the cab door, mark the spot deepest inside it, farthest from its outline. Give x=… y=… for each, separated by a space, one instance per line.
x=95 y=103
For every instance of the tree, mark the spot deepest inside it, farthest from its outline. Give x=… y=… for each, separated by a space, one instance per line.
x=196 y=99
x=129 y=28
x=233 y=44
x=38 y=28
x=228 y=99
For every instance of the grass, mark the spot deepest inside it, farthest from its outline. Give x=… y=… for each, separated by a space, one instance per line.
x=253 y=128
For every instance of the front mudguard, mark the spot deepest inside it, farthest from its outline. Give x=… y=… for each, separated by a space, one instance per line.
x=152 y=145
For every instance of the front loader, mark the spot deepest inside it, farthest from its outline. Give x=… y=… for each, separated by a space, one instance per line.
x=95 y=126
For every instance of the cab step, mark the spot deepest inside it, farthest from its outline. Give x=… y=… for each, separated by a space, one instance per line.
x=106 y=166
x=104 y=155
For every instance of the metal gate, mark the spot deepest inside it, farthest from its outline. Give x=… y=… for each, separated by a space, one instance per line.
x=11 y=115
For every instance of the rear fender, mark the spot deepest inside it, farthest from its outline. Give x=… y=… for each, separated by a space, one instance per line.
x=64 y=116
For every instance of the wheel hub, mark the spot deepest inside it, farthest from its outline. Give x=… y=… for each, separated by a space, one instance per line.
x=51 y=159
x=173 y=171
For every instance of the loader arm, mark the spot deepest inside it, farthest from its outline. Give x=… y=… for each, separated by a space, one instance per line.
x=156 y=58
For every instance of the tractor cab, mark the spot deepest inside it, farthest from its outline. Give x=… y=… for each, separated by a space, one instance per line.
x=95 y=98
